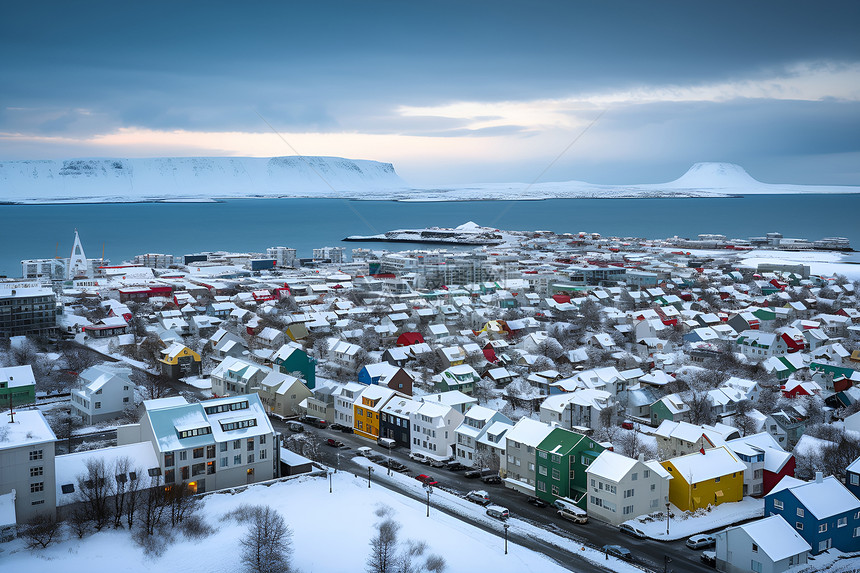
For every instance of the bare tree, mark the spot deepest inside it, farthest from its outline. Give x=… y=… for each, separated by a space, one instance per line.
x=154 y=385
x=127 y=482
x=153 y=506
x=181 y=502
x=94 y=489
x=41 y=531
x=383 y=548
x=267 y=546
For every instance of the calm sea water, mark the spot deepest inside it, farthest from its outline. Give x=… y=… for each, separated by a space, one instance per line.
x=124 y=230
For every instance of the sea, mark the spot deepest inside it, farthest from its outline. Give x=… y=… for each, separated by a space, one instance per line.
x=121 y=230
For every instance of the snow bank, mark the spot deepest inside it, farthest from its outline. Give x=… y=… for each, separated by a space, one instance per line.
x=684 y=525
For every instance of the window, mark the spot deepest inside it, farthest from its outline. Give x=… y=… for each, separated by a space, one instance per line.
x=856 y=532
x=555 y=474
x=37 y=487
x=653 y=487
x=68 y=488
x=237 y=444
x=755 y=566
x=98 y=405
x=555 y=491
x=36 y=472
x=541 y=455
x=250 y=458
x=842 y=522
x=262 y=454
x=210 y=467
x=646 y=474
x=262 y=439
x=542 y=487
x=224 y=462
x=755 y=548
x=592 y=482
x=822 y=528
x=197 y=453
x=37 y=502
x=125 y=399
x=825 y=545
x=198 y=469
x=210 y=452
x=183 y=472
x=556 y=459
x=777 y=504
x=635 y=476
x=585 y=461
x=250 y=444
x=35 y=455
x=799 y=512
x=169 y=476
x=223 y=446
x=628 y=510
x=542 y=470
x=798 y=526
x=237 y=460
x=183 y=455
x=628 y=493
x=716 y=480
x=855 y=479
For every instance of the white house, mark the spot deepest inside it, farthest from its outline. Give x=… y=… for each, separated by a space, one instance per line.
x=237 y=376
x=27 y=464
x=576 y=409
x=344 y=400
x=104 y=391
x=475 y=424
x=433 y=430
x=768 y=545
x=621 y=488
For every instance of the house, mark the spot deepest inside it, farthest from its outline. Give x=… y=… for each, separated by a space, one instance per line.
x=433 y=430
x=679 y=438
x=227 y=345
x=384 y=374
x=106 y=327
x=499 y=376
x=461 y=378
x=293 y=360
x=518 y=465
x=561 y=461
x=104 y=392
x=852 y=477
x=757 y=345
x=706 y=477
x=209 y=445
x=281 y=393
x=768 y=545
x=343 y=352
x=395 y=420
x=452 y=355
x=490 y=447
x=178 y=361
x=27 y=465
x=477 y=420
x=320 y=404
x=579 y=409
x=786 y=426
x=767 y=463
x=621 y=488
x=17 y=386
x=670 y=407
x=824 y=512
x=367 y=408
x=236 y=376
x=344 y=402
x=454 y=398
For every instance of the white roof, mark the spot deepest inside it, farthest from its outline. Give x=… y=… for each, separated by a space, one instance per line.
x=29 y=427
x=17 y=376
x=826 y=498
x=141 y=456
x=611 y=465
x=529 y=432
x=714 y=463
x=776 y=537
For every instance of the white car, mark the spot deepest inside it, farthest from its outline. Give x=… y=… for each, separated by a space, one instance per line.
x=701 y=541
x=479 y=496
x=418 y=457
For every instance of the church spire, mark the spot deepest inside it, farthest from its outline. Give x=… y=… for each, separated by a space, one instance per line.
x=78 y=261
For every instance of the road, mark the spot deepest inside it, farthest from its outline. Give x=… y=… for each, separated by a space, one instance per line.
x=647 y=553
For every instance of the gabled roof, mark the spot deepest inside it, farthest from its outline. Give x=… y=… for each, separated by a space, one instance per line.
x=775 y=537
x=714 y=463
x=825 y=498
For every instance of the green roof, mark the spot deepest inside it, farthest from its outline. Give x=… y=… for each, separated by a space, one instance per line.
x=560 y=441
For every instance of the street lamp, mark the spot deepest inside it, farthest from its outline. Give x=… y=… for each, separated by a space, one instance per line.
x=329 y=479
x=369 y=469
x=337 y=467
x=506 y=526
x=667 y=520
x=429 y=489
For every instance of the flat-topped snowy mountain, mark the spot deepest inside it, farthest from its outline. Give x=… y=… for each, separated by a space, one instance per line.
x=172 y=178
x=203 y=178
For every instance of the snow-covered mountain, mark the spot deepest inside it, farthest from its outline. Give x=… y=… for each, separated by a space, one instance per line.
x=201 y=178
x=171 y=178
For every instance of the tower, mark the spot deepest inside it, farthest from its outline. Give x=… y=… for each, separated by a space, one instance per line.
x=78 y=261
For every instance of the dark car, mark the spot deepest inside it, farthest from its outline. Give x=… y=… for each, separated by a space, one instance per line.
x=336 y=426
x=394 y=465
x=308 y=419
x=471 y=474
x=346 y=429
x=709 y=558
x=426 y=480
x=492 y=478
x=334 y=443
x=455 y=467
x=536 y=501
x=618 y=551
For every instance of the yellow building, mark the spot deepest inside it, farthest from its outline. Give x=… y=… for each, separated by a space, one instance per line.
x=178 y=361
x=701 y=479
x=365 y=415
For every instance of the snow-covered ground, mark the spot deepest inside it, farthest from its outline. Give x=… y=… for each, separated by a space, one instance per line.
x=683 y=524
x=330 y=533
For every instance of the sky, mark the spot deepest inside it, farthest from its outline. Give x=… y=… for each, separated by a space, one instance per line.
x=449 y=92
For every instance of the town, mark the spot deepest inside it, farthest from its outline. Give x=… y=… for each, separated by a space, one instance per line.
x=658 y=402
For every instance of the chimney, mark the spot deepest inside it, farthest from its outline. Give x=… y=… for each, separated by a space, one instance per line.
x=641 y=457
x=819 y=477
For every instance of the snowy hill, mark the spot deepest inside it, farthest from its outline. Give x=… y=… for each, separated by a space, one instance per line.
x=206 y=178
x=103 y=180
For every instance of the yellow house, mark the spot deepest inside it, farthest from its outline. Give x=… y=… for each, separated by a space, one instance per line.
x=365 y=415
x=178 y=361
x=701 y=479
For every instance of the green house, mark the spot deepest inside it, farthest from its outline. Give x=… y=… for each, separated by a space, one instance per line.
x=17 y=386
x=560 y=463
x=291 y=359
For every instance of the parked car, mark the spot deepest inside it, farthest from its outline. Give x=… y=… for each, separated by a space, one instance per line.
x=438 y=463
x=314 y=421
x=418 y=457
x=498 y=512
x=709 y=558
x=536 y=501
x=701 y=541
x=346 y=429
x=630 y=530
x=479 y=496
x=492 y=478
x=334 y=443
x=627 y=425
x=426 y=480
x=577 y=515
x=472 y=474
x=618 y=551
x=455 y=466
x=336 y=426
x=387 y=443
x=295 y=427
x=394 y=465
x=565 y=503
x=364 y=451
x=377 y=458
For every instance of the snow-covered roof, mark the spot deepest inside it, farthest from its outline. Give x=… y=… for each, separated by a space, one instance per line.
x=775 y=537
x=69 y=467
x=17 y=376
x=825 y=498
x=529 y=432
x=29 y=427
x=714 y=463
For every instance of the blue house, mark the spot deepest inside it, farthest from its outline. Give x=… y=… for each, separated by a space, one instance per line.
x=852 y=477
x=823 y=512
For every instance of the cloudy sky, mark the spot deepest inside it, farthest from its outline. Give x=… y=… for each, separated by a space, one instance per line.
x=450 y=92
